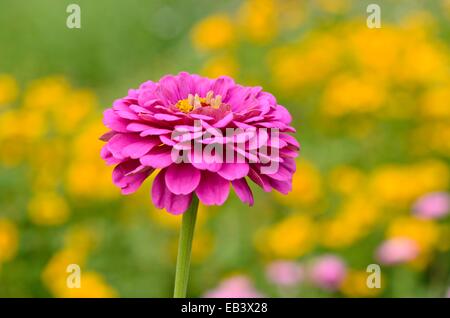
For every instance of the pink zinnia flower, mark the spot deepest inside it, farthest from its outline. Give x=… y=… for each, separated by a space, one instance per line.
x=328 y=272
x=433 y=205
x=234 y=287
x=141 y=140
x=284 y=273
x=397 y=250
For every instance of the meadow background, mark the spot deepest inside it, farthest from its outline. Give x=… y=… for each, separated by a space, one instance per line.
x=372 y=112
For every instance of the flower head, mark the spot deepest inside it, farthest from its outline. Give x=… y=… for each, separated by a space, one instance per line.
x=284 y=273
x=203 y=135
x=238 y=286
x=433 y=205
x=328 y=272
x=397 y=250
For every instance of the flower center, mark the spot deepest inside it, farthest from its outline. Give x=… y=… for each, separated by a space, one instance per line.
x=194 y=101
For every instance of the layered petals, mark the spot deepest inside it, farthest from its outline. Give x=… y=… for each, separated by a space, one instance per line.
x=163 y=198
x=143 y=135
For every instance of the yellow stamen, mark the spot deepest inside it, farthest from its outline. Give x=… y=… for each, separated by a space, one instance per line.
x=184 y=106
x=216 y=102
x=195 y=101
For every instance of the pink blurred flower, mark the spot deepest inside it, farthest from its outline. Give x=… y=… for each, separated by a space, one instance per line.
x=234 y=287
x=433 y=205
x=284 y=273
x=397 y=250
x=141 y=140
x=328 y=272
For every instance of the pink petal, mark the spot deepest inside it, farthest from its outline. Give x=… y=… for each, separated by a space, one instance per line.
x=129 y=183
x=118 y=142
x=108 y=157
x=182 y=178
x=213 y=189
x=224 y=121
x=158 y=157
x=140 y=148
x=232 y=171
x=166 y=117
x=260 y=180
x=282 y=186
x=243 y=191
x=283 y=173
x=164 y=199
x=154 y=131
x=114 y=122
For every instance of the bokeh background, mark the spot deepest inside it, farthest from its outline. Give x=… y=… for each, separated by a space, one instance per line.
x=371 y=108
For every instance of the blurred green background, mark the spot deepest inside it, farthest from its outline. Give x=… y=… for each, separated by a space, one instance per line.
x=371 y=109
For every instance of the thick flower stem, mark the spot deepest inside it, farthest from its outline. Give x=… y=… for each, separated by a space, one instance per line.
x=184 y=249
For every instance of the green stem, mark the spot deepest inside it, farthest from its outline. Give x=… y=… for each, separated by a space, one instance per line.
x=184 y=249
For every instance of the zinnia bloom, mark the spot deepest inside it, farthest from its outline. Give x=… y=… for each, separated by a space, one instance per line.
x=234 y=287
x=433 y=205
x=328 y=272
x=397 y=250
x=284 y=273
x=141 y=140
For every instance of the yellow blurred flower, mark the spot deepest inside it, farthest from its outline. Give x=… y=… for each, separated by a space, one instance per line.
x=87 y=170
x=346 y=179
x=9 y=240
x=77 y=105
x=258 y=20
x=221 y=65
x=336 y=234
x=48 y=154
x=291 y=13
x=379 y=55
x=424 y=232
x=446 y=6
x=93 y=285
x=355 y=285
x=290 y=238
x=213 y=33
x=12 y=153
x=400 y=185
x=55 y=277
x=9 y=89
x=354 y=220
x=84 y=176
x=435 y=102
x=48 y=208
x=306 y=186
x=434 y=136
x=423 y=62
x=47 y=93
x=313 y=57
x=333 y=6
x=55 y=273
x=22 y=124
x=347 y=94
